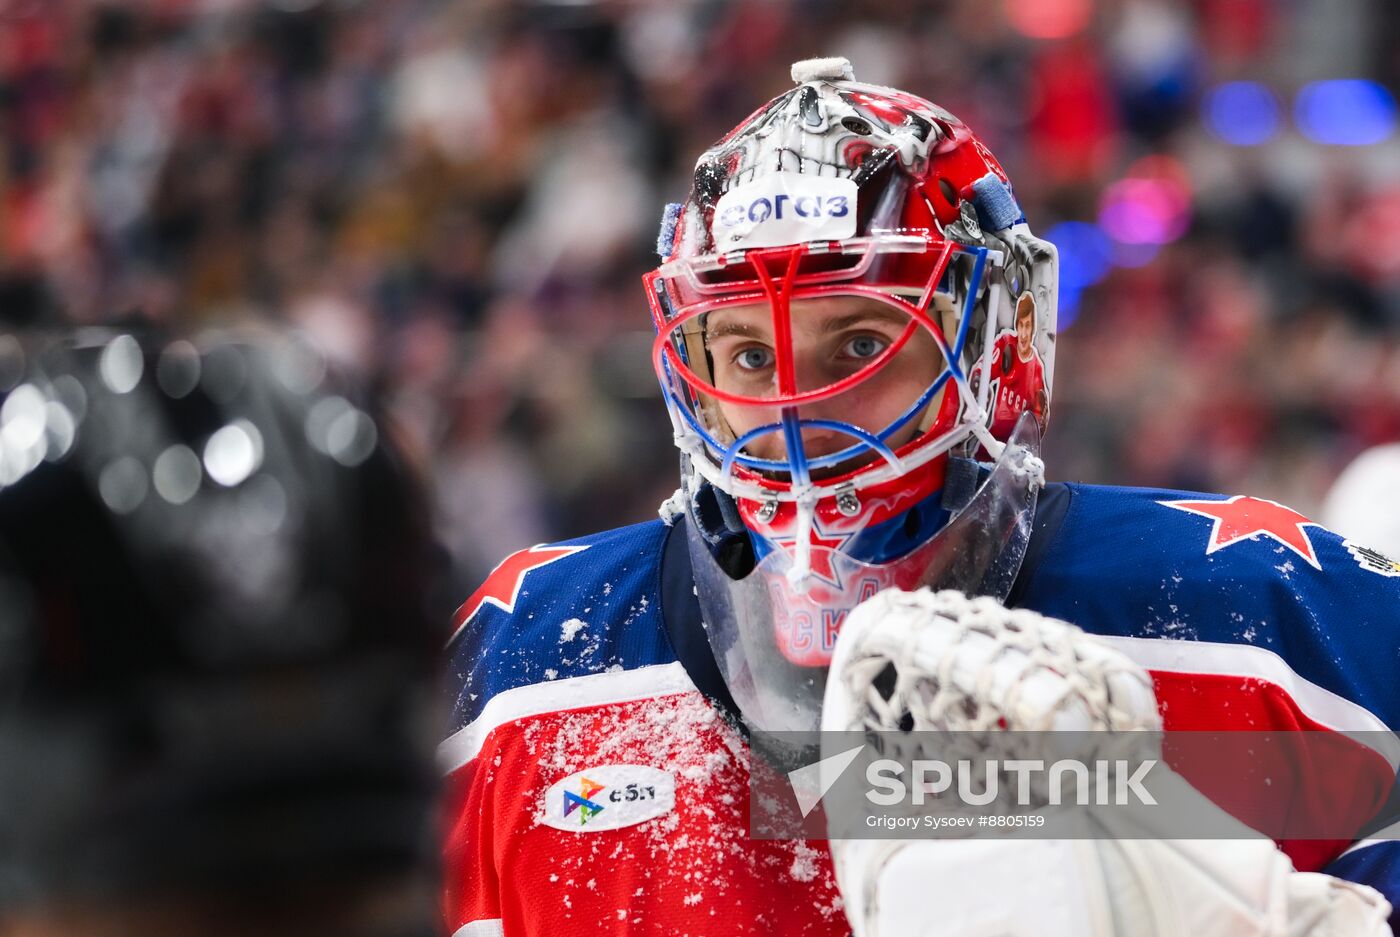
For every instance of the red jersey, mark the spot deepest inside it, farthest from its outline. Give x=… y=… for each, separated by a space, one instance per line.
x=597 y=786
x=594 y=789
x=1018 y=385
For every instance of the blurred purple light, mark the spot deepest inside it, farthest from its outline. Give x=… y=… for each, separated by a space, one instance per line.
x=1244 y=113
x=1349 y=112
x=1145 y=211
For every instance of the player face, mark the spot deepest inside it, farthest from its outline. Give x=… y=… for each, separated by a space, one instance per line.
x=832 y=338
x=1025 y=330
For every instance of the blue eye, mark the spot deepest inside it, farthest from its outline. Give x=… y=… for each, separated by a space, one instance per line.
x=754 y=358
x=864 y=346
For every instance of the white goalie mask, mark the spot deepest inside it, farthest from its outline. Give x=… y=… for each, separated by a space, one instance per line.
x=848 y=300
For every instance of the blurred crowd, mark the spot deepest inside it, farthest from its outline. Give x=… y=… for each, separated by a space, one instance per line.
x=455 y=201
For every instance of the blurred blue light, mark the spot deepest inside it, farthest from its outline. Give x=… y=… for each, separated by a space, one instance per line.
x=1086 y=252
x=1067 y=309
x=1086 y=255
x=1348 y=112
x=1244 y=113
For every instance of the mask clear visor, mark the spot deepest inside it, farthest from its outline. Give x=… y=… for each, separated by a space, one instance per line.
x=773 y=642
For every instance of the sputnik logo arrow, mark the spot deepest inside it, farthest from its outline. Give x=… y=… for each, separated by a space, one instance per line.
x=810 y=784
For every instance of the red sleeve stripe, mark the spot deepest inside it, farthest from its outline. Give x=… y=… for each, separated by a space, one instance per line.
x=1319 y=704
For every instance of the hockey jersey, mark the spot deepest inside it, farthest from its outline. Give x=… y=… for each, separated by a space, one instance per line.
x=597 y=782
x=1017 y=385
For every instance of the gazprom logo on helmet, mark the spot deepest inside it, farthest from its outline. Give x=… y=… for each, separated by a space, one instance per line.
x=785 y=208
x=806 y=206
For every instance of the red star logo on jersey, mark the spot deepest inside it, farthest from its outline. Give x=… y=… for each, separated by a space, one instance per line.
x=1243 y=518
x=502 y=587
x=824 y=547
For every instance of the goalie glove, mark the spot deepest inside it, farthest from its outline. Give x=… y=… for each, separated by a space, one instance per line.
x=925 y=661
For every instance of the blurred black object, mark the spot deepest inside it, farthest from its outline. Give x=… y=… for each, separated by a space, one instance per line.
x=216 y=650
x=26 y=300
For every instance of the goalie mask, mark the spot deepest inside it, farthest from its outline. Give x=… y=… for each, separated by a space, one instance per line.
x=848 y=300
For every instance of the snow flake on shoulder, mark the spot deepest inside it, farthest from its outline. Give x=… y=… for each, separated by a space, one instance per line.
x=502 y=586
x=1234 y=572
x=558 y=611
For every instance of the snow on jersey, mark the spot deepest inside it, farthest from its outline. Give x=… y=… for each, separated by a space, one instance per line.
x=1248 y=616
x=594 y=788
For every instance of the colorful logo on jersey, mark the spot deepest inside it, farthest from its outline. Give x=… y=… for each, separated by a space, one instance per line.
x=502 y=586
x=1372 y=560
x=582 y=803
x=608 y=797
x=1243 y=518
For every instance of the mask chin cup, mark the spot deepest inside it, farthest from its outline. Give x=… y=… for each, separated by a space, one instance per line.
x=773 y=642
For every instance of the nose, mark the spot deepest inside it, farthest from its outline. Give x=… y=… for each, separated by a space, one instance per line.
x=820 y=442
x=816 y=441
x=814 y=372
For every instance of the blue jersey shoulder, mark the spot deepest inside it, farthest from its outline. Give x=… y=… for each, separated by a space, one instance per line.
x=1146 y=562
x=1376 y=864
x=560 y=610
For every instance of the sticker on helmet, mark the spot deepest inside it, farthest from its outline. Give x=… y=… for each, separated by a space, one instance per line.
x=608 y=797
x=1017 y=372
x=785 y=208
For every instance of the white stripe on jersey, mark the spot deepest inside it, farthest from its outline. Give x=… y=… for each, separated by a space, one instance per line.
x=1247 y=660
x=535 y=699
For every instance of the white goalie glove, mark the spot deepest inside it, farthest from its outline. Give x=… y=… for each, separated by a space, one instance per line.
x=926 y=661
